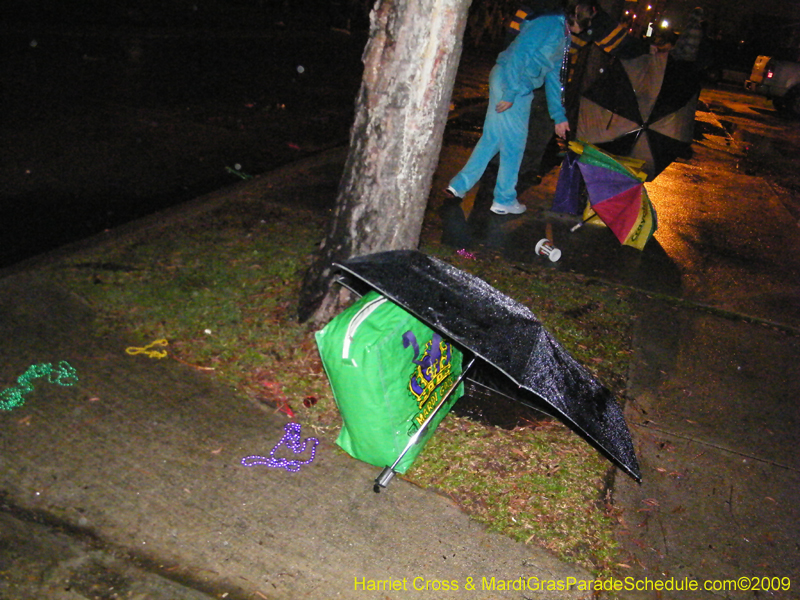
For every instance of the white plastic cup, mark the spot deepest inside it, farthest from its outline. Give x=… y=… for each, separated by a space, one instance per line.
x=544 y=247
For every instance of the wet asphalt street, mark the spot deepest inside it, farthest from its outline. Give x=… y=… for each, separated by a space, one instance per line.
x=728 y=217
x=712 y=385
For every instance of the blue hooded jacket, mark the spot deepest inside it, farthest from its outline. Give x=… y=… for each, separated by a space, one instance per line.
x=533 y=58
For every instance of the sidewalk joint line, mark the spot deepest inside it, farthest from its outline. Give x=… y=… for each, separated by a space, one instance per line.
x=716 y=447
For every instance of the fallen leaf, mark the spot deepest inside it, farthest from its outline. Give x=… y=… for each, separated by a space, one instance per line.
x=286 y=409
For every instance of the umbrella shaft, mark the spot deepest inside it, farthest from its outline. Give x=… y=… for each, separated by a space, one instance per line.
x=415 y=438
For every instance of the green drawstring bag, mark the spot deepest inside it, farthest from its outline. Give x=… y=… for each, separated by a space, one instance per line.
x=388 y=371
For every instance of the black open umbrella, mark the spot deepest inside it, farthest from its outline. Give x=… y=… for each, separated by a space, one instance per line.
x=642 y=107
x=513 y=353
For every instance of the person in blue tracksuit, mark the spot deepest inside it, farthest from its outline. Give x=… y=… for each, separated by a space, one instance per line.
x=536 y=56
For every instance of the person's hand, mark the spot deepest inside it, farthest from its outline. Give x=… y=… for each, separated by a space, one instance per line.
x=503 y=106
x=562 y=129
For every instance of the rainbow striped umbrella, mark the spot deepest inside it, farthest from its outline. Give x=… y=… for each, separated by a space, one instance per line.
x=615 y=186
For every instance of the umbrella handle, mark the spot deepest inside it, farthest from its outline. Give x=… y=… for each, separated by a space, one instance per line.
x=382 y=480
x=577 y=226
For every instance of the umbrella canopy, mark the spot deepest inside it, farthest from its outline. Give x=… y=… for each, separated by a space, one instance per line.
x=616 y=193
x=643 y=108
x=516 y=354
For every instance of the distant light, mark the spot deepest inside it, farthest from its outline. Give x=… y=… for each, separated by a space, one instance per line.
x=664 y=24
x=649 y=7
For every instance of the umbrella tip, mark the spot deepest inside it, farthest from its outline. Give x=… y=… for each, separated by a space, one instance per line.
x=382 y=480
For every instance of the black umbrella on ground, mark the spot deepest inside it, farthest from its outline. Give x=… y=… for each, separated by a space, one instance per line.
x=513 y=352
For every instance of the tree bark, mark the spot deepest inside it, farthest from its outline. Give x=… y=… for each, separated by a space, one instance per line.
x=410 y=65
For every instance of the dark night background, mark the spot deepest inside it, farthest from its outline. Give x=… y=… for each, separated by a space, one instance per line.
x=111 y=111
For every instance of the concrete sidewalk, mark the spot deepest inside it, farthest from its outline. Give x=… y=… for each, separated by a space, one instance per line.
x=712 y=405
x=143 y=457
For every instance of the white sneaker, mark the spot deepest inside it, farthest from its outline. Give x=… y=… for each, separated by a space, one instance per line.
x=450 y=192
x=508 y=209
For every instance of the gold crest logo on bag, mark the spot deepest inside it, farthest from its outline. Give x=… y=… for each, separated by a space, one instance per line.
x=434 y=367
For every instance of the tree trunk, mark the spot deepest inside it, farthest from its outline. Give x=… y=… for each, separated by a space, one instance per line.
x=410 y=65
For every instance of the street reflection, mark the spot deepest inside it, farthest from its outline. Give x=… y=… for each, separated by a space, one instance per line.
x=591 y=250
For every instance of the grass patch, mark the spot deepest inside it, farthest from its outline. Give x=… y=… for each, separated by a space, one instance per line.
x=222 y=289
x=538 y=484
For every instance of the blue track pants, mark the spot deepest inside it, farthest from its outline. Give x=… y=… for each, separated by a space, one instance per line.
x=504 y=132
